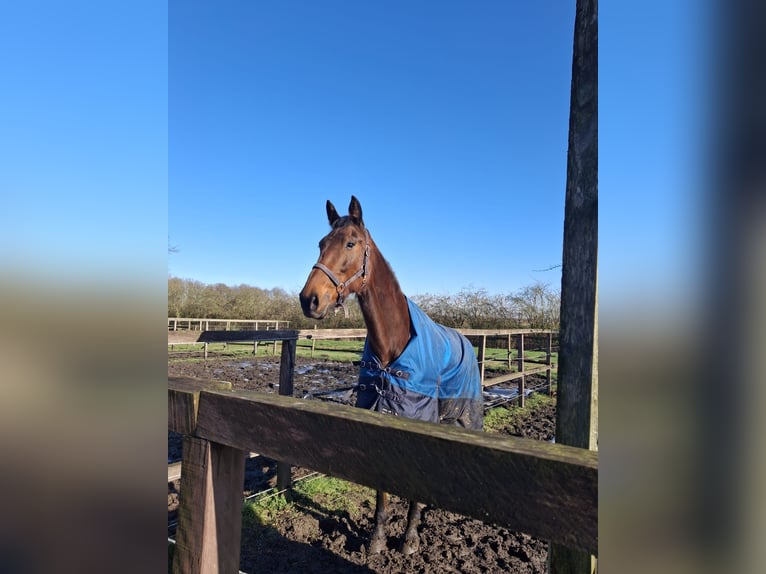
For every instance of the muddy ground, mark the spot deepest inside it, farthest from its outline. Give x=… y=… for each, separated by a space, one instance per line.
x=306 y=540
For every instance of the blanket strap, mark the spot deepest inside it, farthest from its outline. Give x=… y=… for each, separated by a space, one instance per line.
x=375 y=366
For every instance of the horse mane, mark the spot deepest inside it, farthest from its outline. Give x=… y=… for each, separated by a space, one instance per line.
x=384 y=307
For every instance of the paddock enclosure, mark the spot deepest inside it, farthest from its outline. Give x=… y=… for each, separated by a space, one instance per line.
x=546 y=490
x=193 y=340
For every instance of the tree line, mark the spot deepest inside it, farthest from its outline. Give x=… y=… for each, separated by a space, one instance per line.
x=535 y=306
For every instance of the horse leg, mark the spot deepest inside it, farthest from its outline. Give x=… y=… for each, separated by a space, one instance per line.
x=378 y=538
x=411 y=542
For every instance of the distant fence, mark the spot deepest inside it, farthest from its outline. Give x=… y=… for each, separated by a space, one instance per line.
x=197 y=324
x=514 y=340
x=546 y=490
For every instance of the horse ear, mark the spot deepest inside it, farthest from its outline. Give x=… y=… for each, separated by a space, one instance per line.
x=332 y=214
x=355 y=210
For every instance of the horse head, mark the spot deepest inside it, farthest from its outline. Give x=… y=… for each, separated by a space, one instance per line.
x=343 y=264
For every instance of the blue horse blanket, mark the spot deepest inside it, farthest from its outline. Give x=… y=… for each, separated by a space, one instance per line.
x=435 y=379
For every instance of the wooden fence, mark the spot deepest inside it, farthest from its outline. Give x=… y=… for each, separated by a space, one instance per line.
x=478 y=337
x=201 y=324
x=546 y=490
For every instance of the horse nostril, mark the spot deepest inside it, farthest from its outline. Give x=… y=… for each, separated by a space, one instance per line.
x=309 y=303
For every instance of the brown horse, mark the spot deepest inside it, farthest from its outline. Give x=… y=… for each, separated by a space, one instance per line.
x=411 y=366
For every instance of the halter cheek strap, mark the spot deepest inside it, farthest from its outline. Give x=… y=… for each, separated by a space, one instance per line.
x=340 y=287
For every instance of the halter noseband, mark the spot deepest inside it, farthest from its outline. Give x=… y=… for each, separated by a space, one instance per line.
x=340 y=287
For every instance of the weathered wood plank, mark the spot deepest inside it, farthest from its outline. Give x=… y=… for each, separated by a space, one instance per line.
x=183 y=337
x=577 y=402
x=179 y=337
x=210 y=508
x=183 y=401
x=286 y=369
x=503 y=332
x=332 y=333
x=225 y=336
x=174 y=468
x=481 y=354
x=547 y=490
x=195 y=384
x=512 y=376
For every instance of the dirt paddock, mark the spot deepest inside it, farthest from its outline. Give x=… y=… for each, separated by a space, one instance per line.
x=307 y=540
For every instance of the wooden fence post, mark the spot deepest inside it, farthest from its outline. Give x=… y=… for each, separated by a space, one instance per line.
x=210 y=511
x=549 y=362
x=286 y=371
x=522 y=381
x=577 y=402
x=481 y=354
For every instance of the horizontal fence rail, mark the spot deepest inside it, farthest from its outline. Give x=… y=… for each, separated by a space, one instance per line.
x=546 y=490
x=479 y=338
x=205 y=324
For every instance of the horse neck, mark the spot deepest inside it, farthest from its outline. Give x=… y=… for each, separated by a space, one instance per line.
x=385 y=311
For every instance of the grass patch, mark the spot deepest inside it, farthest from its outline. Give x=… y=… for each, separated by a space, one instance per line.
x=261 y=511
x=499 y=418
x=504 y=416
x=328 y=495
x=342 y=350
x=345 y=350
x=322 y=496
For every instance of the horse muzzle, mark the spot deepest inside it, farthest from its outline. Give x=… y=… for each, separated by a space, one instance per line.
x=310 y=303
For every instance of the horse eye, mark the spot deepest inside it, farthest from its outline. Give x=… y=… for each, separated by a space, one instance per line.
x=350 y=244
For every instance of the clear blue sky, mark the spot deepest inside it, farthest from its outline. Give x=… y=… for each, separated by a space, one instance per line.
x=222 y=128
x=448 y=120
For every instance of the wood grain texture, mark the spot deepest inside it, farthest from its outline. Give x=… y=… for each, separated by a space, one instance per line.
x=183 y=401
x=547 y=490
x=210 y=508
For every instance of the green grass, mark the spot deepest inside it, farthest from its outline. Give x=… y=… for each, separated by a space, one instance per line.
x=322 y=496
x=499 y=418
x=262 y=510
x=329 y=495
x=338 y=350
x=343 y=350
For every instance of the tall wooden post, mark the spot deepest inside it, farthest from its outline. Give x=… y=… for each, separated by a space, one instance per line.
x=210 y=502
x=522 y=382
x=210 y=514
x=577 y=405
x=286 y=370
x=549 y=362
x=482 y=351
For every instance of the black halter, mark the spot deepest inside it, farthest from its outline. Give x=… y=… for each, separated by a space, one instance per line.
x=341 y=287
